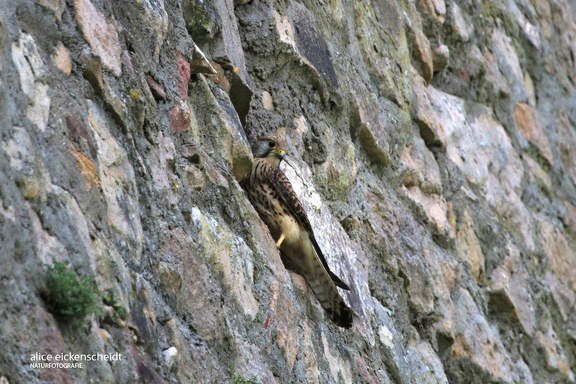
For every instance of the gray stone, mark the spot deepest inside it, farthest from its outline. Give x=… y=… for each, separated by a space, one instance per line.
x=430 y=142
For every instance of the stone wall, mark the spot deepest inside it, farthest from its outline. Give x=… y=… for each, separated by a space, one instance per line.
x=432 y=143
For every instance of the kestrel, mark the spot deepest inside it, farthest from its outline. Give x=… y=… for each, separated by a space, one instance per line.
x=278 y=206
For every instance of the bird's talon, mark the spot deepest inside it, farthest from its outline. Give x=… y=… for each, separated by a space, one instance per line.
x=280 y=240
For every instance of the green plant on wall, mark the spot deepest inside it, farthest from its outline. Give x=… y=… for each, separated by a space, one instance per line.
x=242 y=380
x=69 y=297
x=237 y=379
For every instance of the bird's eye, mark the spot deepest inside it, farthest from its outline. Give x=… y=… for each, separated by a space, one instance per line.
x=271 y=144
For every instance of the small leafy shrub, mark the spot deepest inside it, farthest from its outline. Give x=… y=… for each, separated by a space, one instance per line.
x=241 y=380
x=69 y=297
x=236 y=379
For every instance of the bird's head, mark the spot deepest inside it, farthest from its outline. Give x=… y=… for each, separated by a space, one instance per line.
x=271 y=148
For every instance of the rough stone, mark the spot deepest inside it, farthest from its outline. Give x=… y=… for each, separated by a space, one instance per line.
x=555 y=355
x=80 y=135
x=529 y=127
x=267 y=101
x=422 y=185
x=30 y=68
x=494 y=77
x=507 y=58
x=431 y=128
x=469 y=135
x=282 y=312
x=56 y=6
x=100 y=34
x=62 y=58
x=31 y=177
x=421 y=354
x=562 y=261
x=458 y=23
x=48 y=245
x=199 y=63
x=180 y=118
x=311 y=44
x=449 y=207
x=529 y=30
x=469 y=246
x=183 y=75
x=371 y=128
x=478 y=342
x=423 y=53
x=509 y=292
x=155 y=19
x=202 y=20
x=440 y=57
x=100 y=83
x=434 y=10
x=230 y=46
x=530 y=91
x=170 y=356
x=220 y=77
x=115 y=170
x=229 y=258
x=299 y=32
x=544 y=11
x=536 y=173
x=420 y=169
x=567 y=141
x=87 y=169
x=157 y=89
x=377 y=25
x=194 y=177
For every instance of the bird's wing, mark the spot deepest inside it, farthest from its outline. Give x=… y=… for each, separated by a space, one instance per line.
x=286 y=193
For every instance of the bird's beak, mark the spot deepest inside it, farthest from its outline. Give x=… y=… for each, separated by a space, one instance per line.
x=281 y=154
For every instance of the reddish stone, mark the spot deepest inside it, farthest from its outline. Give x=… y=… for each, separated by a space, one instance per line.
x=529 y=127
x=423 y=53
x=87 y=168
x=179 y=119
x=128 y=61
x=184 y=74
x=157 y=89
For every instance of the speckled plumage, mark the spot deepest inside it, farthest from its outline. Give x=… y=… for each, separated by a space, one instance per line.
x=273 y=197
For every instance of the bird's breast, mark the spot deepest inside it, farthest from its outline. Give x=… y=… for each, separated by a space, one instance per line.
x=290 y=228
x=276 y=215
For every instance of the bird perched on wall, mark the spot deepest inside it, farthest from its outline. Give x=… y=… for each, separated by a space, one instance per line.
x=277 y=204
